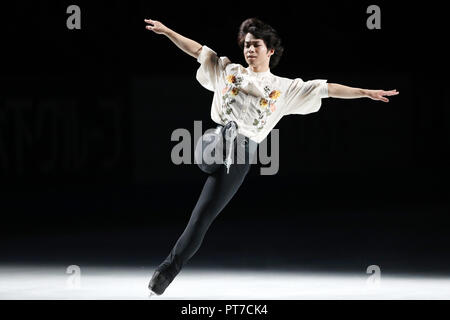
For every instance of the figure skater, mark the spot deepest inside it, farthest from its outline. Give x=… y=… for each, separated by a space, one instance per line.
x=249 y=101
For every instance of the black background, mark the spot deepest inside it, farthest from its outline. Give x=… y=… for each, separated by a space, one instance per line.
x=86 y=118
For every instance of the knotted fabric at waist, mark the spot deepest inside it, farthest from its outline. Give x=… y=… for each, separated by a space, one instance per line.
x=230 y=133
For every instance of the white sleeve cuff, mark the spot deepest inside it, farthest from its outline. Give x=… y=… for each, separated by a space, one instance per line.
x=324 y=89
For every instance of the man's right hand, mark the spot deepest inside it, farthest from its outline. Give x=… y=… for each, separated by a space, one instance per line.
x=189 y=46
x=156 y=26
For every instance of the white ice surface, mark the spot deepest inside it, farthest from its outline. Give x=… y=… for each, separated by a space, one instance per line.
x=102 y=283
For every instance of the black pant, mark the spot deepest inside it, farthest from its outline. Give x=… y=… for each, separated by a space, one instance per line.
x=219 y=189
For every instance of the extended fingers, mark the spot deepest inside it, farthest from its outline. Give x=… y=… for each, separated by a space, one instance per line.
x=390 y=92
x=150 y=21
x=387 y=93
x=380 y=96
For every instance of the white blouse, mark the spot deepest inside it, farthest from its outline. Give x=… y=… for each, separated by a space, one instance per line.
x=255 y=100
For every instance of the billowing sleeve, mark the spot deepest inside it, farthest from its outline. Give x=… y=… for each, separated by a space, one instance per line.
x=305 y=97
x=212 y=68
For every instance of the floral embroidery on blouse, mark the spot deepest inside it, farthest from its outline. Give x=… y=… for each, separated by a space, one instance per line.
x=230 y=91
x=267 y=106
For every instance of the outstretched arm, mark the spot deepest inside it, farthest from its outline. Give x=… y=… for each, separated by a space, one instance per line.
x=189 y=46
x=339 y=91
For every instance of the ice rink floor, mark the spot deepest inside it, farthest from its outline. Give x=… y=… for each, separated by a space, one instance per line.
x=126 y=283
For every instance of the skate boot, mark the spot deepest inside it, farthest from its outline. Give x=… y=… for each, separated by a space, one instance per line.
x=159 y=283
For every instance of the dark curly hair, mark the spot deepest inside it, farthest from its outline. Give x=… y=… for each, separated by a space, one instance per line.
x=265 y=32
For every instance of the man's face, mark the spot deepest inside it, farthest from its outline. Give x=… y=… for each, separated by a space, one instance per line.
x=255 y=51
